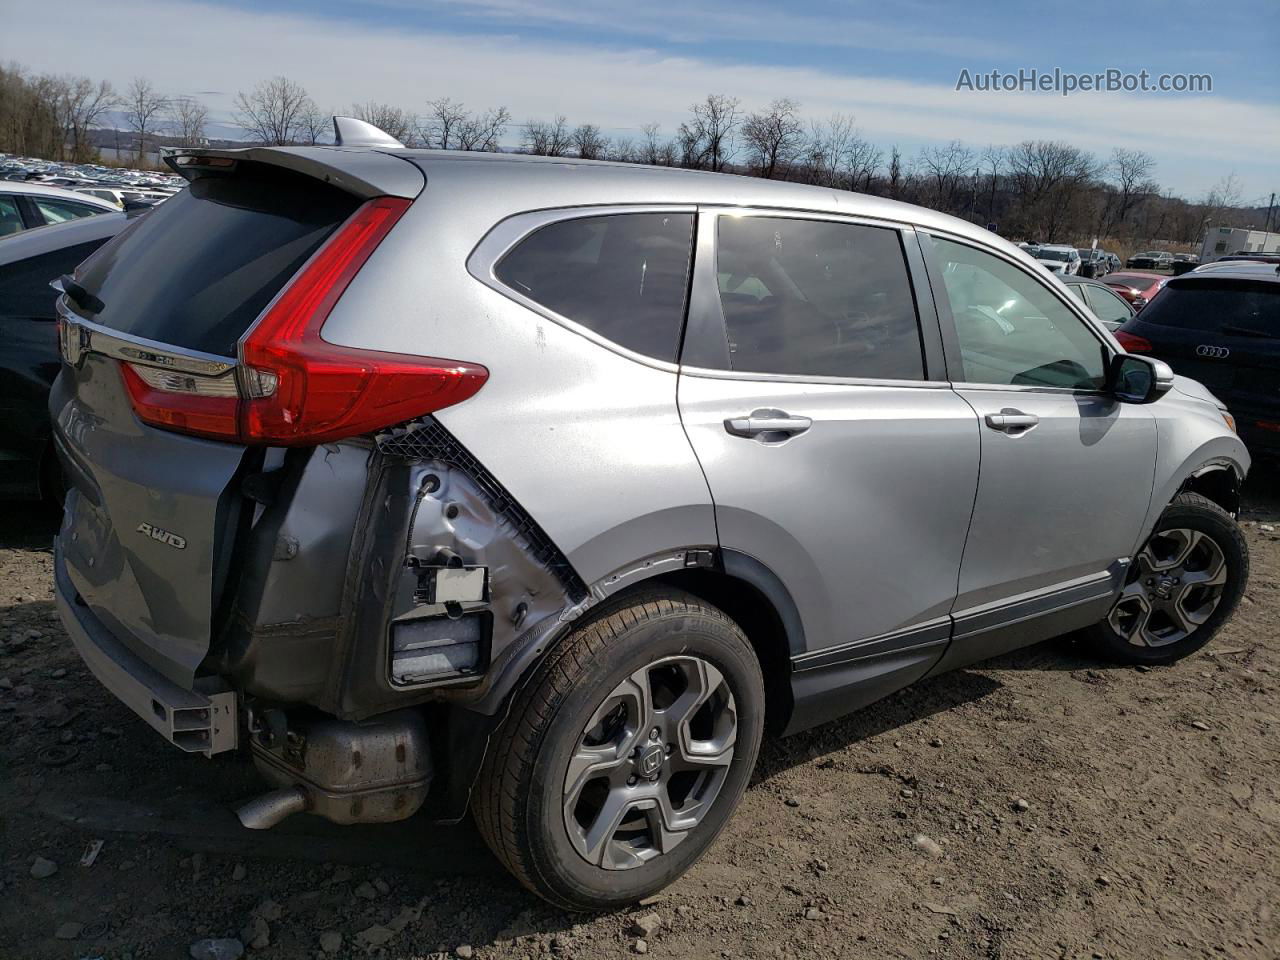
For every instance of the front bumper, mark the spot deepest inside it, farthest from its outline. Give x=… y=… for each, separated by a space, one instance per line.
x=193 y=722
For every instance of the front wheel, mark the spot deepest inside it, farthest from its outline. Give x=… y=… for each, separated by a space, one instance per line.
x=625 y=754
x=1182 y=586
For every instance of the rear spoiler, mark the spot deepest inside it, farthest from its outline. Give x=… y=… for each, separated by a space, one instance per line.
x=355 y=163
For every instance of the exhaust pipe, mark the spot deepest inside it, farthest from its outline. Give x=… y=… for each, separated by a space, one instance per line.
x=267 y=810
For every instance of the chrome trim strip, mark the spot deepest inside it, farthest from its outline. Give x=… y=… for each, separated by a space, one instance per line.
x=921 y=635
x=1060 y=596
x=95 y=338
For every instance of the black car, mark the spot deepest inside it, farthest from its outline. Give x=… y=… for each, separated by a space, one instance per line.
x=1222 y=327
x=29 y=361
x=1093 y=263
x=1107 y=305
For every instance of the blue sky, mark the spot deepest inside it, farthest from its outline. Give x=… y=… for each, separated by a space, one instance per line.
x=892 y=66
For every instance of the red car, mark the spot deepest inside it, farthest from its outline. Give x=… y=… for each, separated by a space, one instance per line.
x=1137 y=288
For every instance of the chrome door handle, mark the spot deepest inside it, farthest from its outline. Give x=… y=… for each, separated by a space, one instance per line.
x=1012 y=421
x=760 y=423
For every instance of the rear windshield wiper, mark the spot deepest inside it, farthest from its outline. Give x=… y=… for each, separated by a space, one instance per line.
x=77 y=294
x=1249 y=332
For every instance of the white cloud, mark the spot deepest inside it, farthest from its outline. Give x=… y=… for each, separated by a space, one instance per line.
x=185 y=46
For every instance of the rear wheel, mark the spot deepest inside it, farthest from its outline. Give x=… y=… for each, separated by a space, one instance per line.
x=1181 y=587
x=625 y=754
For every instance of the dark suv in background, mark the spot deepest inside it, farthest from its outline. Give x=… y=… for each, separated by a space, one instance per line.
x=1222 y=328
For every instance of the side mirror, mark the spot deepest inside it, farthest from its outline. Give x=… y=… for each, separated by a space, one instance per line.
x=1135 y=379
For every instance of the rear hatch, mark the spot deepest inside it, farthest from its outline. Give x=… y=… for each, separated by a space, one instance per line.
x=1221 y=331
x=150 y=331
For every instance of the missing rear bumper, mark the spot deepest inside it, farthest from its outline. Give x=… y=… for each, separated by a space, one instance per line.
x=191 y=721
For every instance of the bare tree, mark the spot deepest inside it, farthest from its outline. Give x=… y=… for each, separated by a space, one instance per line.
x=483 y=131
x=84 y=104
x=1131 y=177
x=895 y=172
x=273 y=111
x=187 y=120
x=142 y=107
x=993 y=163
x=654 y=149
x=440 y=127
x=588 y=142
x=774 y=137
x=707 y=137
x=314 y=125
x=390 y=120
x=545 y=139
x=1047 y=177
x=944 y=168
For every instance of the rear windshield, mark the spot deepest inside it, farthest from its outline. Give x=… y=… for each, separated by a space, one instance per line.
x=198 y=269
x=1233 y=307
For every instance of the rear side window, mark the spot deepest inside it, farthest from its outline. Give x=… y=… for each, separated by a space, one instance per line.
x=1233 y=307
x=624 y=276
x=1107 y=307
x=24 y=285
x=816 y=298
x=10 y=219
x=60 y=211
x=198 y=269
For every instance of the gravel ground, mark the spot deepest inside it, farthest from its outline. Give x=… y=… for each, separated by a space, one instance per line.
x=1039 y=805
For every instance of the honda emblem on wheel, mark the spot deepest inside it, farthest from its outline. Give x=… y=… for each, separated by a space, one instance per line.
x=1209 y=350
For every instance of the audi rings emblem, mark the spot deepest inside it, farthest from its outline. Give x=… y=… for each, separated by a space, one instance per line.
x=1209 y=350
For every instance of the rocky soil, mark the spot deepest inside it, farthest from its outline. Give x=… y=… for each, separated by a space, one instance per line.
x=1040 y=805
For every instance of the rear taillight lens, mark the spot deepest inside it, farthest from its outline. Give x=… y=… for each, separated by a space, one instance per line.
x=1133 y=343
x=164 y=404
x=295 y=389
x=1267 y=425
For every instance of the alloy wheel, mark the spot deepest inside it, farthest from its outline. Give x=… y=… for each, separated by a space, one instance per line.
x=1174 y=585
x=650 y=762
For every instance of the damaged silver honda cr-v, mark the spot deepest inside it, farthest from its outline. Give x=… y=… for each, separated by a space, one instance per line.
x=542 y=488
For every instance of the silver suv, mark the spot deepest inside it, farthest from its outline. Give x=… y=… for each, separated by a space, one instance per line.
x=543 y=488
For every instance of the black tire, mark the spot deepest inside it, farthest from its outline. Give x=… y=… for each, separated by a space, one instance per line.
x=520 y=799
x=1188 y=511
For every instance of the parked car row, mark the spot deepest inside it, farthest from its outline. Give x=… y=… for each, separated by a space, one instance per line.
x=1067 y=261
x=123 y=189
x=27 y=205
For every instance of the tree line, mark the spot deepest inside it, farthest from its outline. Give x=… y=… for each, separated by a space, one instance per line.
x=1043 y=190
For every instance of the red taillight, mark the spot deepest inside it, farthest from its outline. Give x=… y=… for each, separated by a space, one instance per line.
x=215 y=417
x=299 y=390
x=1267 y=425
x=1132 y=343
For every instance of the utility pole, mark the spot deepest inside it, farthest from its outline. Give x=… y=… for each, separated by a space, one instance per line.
x=1270 y=207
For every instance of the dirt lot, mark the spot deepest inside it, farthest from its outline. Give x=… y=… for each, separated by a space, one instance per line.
x=1151 y=825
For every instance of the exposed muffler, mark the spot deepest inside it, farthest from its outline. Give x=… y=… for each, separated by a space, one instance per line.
x=266 y=811
x=370 y=772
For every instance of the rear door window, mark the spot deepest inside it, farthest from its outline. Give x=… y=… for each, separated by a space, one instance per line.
x=817 y=298
x=60 y=211
x=1233 y=307
x=623 y=276
x=196 y=271
x=1106 y=306
x=10 y=217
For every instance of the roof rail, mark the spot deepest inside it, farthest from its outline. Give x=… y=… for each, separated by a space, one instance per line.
x=350 y=132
